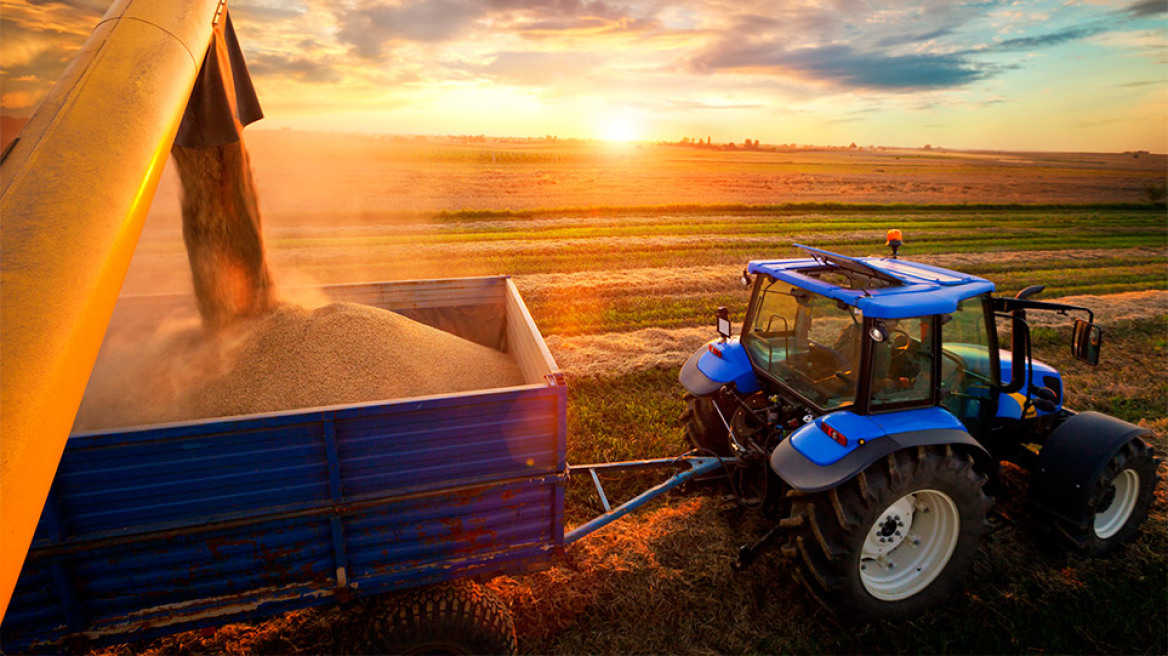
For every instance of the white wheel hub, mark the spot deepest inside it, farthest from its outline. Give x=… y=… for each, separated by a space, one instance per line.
x=1119 y=503
x=909 y=544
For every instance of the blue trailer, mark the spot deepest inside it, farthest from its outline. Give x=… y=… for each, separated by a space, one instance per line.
x=157 y=529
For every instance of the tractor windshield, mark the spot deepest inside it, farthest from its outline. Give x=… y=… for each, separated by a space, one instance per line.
x=808 y=342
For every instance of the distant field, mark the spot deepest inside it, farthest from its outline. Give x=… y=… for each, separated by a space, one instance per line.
x=623 y=294
x=329 y=179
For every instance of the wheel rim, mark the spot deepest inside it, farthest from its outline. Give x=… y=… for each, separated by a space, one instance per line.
x=1122 y=494
x=909 y=545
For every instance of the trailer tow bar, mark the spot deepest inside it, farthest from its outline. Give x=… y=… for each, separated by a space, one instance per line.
x=698 y=465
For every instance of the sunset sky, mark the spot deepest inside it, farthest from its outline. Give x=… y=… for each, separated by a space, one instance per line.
x=1084 y=75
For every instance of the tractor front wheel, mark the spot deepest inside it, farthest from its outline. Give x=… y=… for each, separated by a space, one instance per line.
x=895 y=540
x=704 y=429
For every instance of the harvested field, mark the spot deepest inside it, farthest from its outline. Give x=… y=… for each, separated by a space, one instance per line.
x=290 y=359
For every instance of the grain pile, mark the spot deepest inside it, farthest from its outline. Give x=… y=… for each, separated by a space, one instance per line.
x=290 y=358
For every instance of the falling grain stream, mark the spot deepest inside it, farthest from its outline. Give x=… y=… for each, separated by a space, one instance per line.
x=221 y=229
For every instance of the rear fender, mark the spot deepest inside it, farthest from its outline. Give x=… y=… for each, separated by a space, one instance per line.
x=1071 y=460
x=812 y=461
x=716 y=364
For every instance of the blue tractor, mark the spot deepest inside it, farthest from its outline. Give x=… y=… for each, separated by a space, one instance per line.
x=867 y=408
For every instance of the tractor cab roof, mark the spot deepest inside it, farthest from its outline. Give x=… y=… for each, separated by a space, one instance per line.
x=881 y=287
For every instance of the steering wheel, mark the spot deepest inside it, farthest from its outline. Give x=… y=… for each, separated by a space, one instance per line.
x=898 y=346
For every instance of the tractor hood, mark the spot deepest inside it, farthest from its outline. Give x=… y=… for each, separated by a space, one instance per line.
x=716 y=364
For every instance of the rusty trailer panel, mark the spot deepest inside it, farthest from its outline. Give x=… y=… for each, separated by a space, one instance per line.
x=164 y=528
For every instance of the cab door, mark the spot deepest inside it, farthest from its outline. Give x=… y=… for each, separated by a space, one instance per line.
x=969 y=364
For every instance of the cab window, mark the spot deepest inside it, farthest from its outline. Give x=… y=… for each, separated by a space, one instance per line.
x=808 y=342
x=968 y=370
x=902 y=364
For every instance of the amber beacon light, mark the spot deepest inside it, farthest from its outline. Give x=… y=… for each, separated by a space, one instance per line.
x=895 y=240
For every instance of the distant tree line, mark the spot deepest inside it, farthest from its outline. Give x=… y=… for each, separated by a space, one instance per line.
x=708 y=144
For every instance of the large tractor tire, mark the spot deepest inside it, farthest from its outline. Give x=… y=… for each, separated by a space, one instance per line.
x=1118 y=503
x=893 y=541
x=703 y=427
x=460 y=617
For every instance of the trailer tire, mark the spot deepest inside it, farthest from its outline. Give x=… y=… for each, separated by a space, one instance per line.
x=893 y=541
x=1118 y=504
x=703 y=427
x=459 y=617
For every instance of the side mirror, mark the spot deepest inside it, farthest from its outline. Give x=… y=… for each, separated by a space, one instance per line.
x=724 y=322
x=1030 y=291
x=1085 y=342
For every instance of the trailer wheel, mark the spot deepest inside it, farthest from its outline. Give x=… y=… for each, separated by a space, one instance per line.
x=460 y=617
x=895 y=540
x=1118 y=504
x=703 y=427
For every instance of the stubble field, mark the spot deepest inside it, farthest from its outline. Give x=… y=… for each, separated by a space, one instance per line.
x=623 y=280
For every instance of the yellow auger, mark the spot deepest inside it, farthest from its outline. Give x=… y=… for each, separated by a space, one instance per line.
x=74 y=192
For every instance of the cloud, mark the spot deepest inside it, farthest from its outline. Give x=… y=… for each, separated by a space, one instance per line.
x=538 y=68
x=1043 y=40
x=91 y=8
x=585 y=26
x=370 y=28
x=567 y=18
x=694 y=105
x=33 y=59
x=845 y=66
x=251 y=13
x=902 y=39
x=306 y=69
x=597 y=8
x=1146 y=8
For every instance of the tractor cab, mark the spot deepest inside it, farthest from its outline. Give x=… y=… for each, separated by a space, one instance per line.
x=872 y=335
x=876 y=335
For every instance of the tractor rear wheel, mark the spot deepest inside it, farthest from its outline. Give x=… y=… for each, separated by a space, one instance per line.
x=895 y=540
x=460 y=617
x=703 y=427
x=1118 y=504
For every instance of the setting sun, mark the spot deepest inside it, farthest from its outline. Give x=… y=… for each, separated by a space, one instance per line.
x=619 y=127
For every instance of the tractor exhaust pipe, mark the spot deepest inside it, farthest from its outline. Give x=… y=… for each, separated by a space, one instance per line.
x=74 y=191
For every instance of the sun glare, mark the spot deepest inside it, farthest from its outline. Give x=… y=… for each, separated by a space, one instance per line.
x=619 y=127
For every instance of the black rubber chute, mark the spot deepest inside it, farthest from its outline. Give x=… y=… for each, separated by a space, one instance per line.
x=223 y=100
